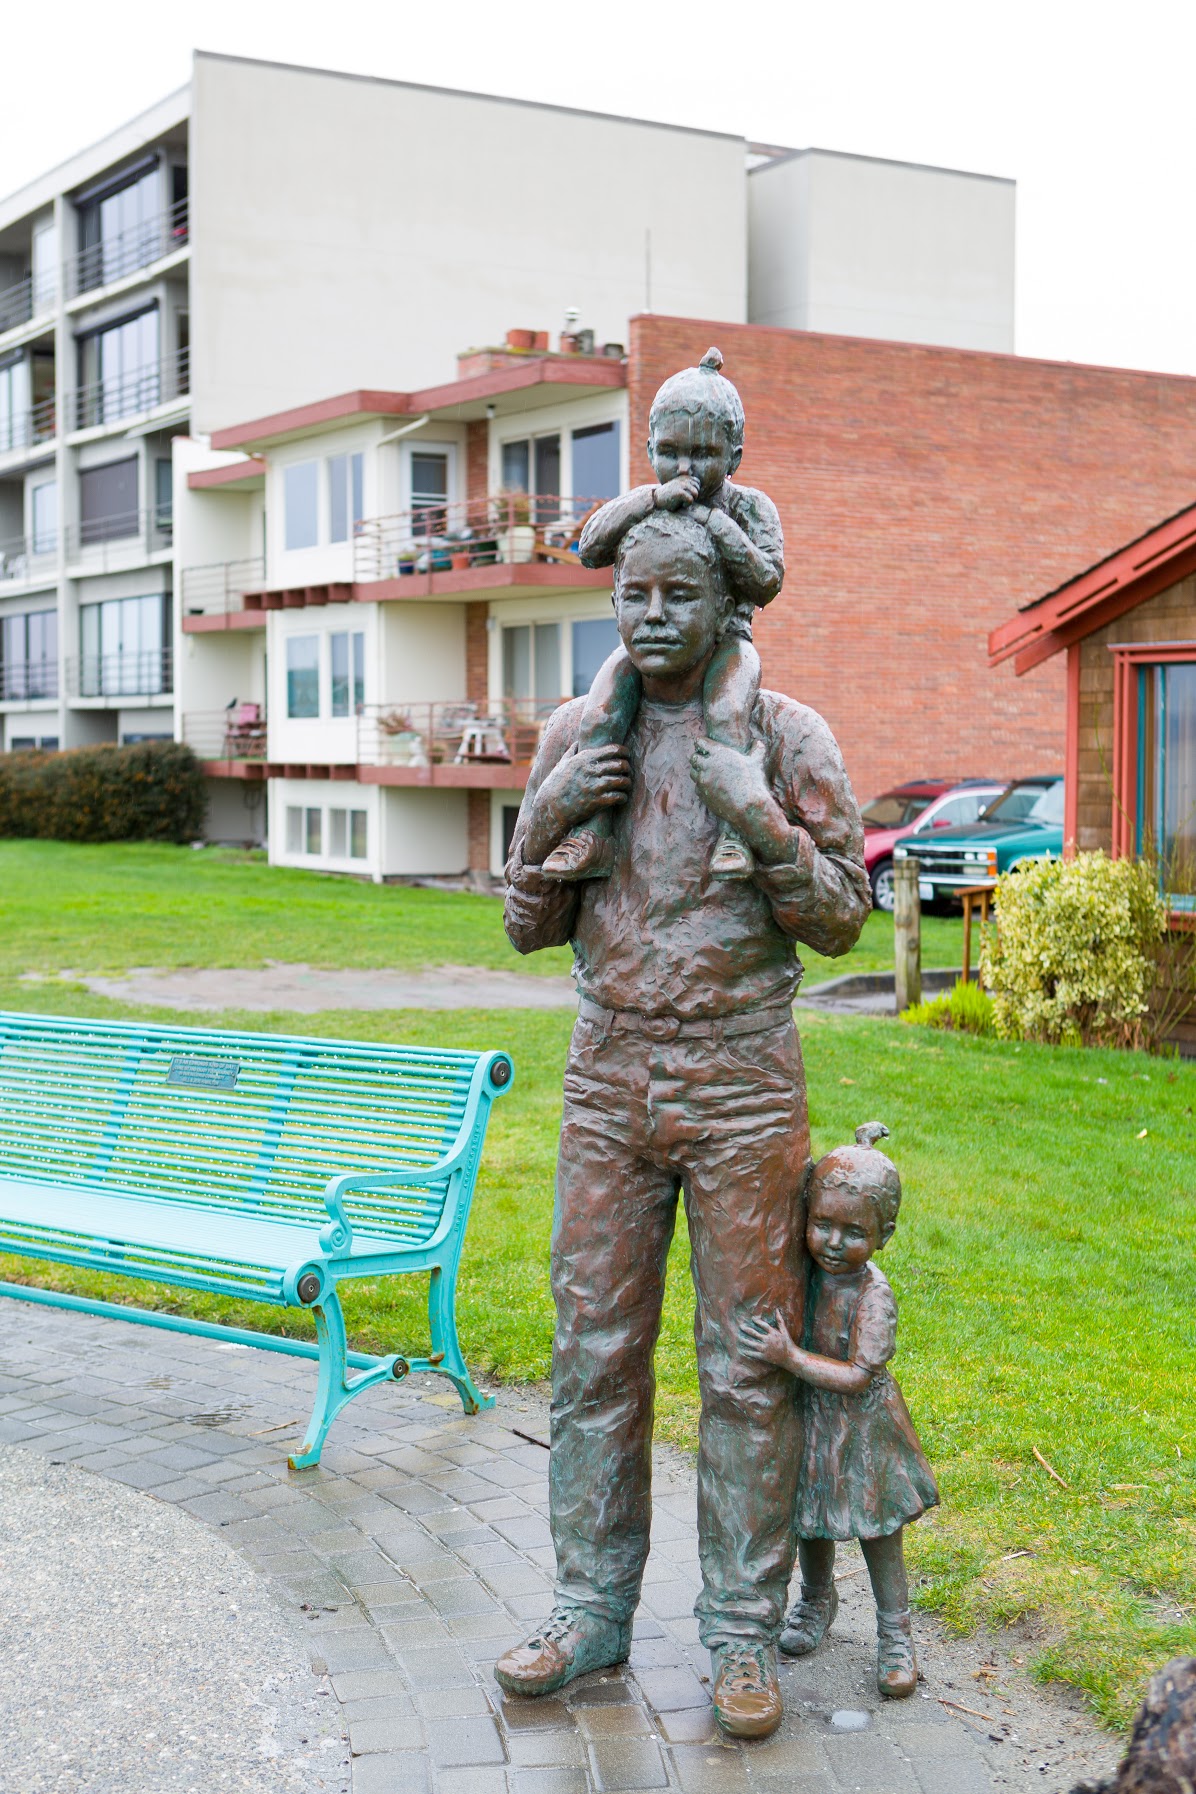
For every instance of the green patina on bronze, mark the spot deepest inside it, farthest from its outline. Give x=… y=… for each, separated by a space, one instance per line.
x=684 y=1072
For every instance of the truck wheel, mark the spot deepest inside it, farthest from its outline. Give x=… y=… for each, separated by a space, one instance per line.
x=882 y=886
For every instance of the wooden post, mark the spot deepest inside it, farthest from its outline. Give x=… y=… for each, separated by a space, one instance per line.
x=907 y=933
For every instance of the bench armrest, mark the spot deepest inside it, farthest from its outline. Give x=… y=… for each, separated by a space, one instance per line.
x=492 y=1076
x=337 y=1231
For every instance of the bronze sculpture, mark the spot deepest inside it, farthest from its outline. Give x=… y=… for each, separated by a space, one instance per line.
x=684 y=1069
x=695 y=443
x=864 y=1475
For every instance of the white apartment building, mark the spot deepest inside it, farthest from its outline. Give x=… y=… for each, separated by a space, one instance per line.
x=252 y=245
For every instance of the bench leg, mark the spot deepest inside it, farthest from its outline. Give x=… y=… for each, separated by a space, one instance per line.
x=447 y=1356
x=334 y=1386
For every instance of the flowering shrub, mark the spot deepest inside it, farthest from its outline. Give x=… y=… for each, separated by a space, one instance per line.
x=152 y=791
x=1074 y=956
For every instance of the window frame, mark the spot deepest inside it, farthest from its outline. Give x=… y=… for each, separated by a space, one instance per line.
x=290 y=672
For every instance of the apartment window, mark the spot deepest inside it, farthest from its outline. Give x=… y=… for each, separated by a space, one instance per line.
x=595 y=464
x=29 y=655
x=531 y=662
x=303 y=675
x=1167 y=774
x=122 y=645
x=43 y=517
x=347 y=834
x=163 y=494
x=44 y=265
x=593 y=641
x=347 y=656
x=429 y=493
x=301 y=504
x=313 y=833
x=510 y=820
x=119 y=372
x=120 y=229
x=345 y=490
x=533 y=464
x=14 y=403
x=108 y=501
x=294 y=829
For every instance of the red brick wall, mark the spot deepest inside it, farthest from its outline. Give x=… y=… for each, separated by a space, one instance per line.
x=477 y=460
x=925 y=494
x=477 y=654
x=478 y=824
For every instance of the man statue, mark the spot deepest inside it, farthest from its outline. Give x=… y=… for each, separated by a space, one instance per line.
x=684 y=1071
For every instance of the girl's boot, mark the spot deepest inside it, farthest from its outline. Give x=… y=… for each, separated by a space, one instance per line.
x=896 y=1665
x=809 y=1620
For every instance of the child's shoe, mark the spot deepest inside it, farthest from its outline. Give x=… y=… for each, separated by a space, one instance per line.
x=896 y=1664
x=732 y=857
x=581 y=854
x=809 y=1621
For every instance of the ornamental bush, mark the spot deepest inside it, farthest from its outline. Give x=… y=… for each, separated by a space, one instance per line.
x=965 y=1009
x=1074 y=955
x=152 y=791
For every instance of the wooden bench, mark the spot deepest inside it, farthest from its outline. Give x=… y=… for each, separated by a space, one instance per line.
x=258 y=1166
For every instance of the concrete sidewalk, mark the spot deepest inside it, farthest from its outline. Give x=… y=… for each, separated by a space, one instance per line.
x=420 y=1548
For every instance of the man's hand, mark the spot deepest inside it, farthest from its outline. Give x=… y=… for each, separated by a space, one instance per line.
x=770 y=1340
x=733 y=785
x=591 y=779
x=674 y=495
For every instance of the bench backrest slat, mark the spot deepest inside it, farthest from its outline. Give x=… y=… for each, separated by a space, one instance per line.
x=101 y=1103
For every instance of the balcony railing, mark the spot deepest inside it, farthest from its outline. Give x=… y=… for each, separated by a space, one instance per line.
x=148 y=674
x=457 y=733
x=220 y=586
x=119 y=540
x=113 y=399
x=28 y=557
x=126 y=251
x=236 y=733
x=23 y=679
x=508 y=528
x=25 y=300
x=25 y=429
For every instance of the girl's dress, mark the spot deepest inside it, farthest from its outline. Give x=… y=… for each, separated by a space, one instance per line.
x=864 y=1473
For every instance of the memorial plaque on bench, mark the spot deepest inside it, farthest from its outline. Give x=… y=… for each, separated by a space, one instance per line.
x=197 y=1072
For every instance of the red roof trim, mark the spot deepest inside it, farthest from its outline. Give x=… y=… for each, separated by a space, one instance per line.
x=200 y=478
x=547 y=370
x=1148 y=565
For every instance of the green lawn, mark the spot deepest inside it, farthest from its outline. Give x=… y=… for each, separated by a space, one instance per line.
x=149 y=904
x=1043 y=1262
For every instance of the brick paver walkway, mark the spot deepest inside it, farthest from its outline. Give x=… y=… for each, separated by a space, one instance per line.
x=420 y=1549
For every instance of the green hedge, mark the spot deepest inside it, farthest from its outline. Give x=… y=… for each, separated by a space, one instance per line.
x=153 y=791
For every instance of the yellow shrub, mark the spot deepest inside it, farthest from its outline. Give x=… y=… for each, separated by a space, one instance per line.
x=1074 y=954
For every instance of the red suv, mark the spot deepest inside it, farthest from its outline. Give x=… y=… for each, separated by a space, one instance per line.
x=910 y=808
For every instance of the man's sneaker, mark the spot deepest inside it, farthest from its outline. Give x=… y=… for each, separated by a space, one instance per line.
x=809 y=1621
x=569 y=1644
x=896 y=1664
x=747 y=1695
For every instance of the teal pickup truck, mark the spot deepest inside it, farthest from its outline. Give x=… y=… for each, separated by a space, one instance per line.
x=1024 y=823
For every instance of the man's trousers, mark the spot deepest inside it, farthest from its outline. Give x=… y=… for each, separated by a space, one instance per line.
x=725 y=1119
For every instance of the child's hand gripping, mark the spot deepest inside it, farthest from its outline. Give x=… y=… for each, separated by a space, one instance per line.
x=770 y=1340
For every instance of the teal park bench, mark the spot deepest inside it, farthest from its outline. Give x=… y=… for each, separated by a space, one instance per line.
x=252 y=1165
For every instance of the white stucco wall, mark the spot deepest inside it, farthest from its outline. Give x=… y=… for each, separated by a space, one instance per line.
x=308 y=186
x=859 y=247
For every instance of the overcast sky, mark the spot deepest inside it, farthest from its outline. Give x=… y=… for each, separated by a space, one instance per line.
x=1087 y=106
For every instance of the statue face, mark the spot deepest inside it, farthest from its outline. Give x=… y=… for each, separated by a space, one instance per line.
x=669 y=606
x=688 y=442
x=842 y=1228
